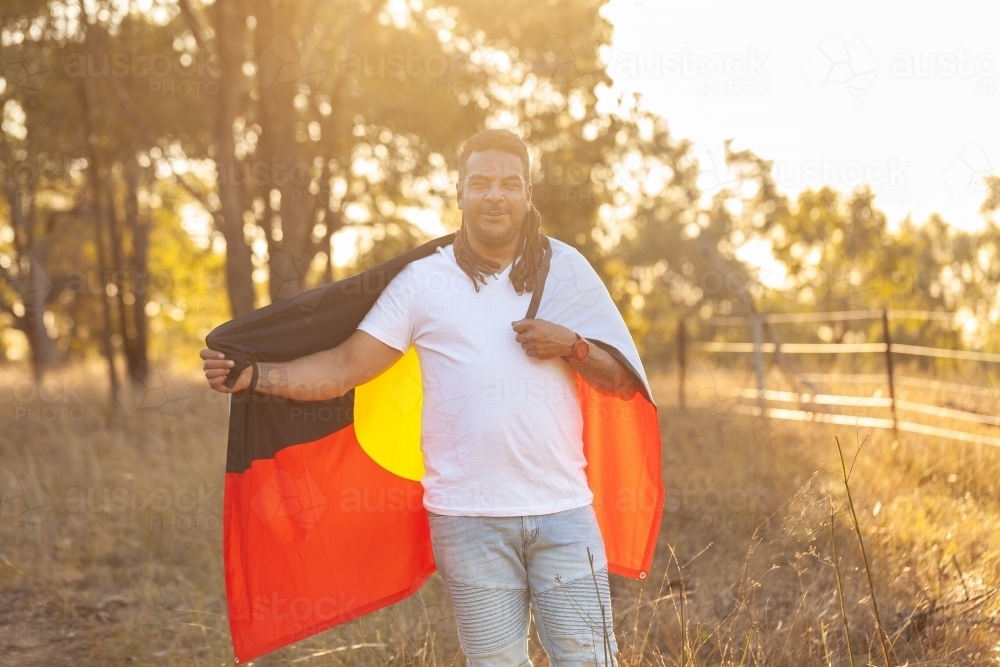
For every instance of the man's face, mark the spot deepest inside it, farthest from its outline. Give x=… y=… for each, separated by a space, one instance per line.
x=494 y=197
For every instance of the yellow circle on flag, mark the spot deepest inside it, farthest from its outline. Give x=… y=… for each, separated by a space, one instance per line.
x=387 y=418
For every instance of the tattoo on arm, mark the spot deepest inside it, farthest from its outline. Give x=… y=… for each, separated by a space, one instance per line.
x=606 y=374
x=272 y=376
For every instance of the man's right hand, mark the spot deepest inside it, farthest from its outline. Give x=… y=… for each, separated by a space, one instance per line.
x=315 y=377
x=217 y=367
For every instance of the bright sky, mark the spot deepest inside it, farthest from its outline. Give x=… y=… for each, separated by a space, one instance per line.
x=905 y=96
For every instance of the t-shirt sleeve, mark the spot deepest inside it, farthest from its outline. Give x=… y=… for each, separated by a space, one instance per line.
x=391 y=318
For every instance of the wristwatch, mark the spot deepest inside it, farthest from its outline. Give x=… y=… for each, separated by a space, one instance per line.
x=581 y=348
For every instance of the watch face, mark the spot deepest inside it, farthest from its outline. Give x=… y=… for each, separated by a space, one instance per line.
x=581 y=349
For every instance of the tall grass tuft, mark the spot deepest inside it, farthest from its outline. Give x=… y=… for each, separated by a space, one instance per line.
x=882 y=635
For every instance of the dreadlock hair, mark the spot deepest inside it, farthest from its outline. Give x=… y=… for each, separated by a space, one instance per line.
x=534 y=244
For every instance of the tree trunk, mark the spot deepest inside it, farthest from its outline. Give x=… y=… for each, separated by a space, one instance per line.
x=119 y=278
x=30 y=281
x=36 y=284
x=139 y=283
x=43 y=349
x=93 y=178
x=230 y=28
x=289 y=257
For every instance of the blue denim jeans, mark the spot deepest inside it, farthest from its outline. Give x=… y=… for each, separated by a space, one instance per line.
x=493 y=566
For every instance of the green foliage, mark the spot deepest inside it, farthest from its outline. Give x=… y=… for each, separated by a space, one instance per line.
x=186 y=291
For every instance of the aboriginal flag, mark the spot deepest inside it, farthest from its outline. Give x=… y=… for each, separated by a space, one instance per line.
x=323 y=510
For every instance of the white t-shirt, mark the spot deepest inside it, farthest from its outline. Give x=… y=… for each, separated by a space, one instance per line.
x=502 y=433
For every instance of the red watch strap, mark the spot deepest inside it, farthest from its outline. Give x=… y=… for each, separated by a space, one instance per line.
x=579 y=343
x=572 y=348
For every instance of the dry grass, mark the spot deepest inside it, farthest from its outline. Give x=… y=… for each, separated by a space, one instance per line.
x=114 y=555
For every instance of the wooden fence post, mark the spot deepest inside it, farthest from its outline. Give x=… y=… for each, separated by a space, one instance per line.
x=758 y=357
x=887 y=337
x=681 y=363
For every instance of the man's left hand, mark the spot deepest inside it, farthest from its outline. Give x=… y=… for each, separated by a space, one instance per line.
x=544 y=340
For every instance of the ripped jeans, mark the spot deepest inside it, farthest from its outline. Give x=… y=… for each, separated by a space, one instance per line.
x=493 y=566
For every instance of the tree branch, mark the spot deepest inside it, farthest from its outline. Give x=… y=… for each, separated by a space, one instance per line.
x=9 y=277
x=150 y=137
x=194 y=24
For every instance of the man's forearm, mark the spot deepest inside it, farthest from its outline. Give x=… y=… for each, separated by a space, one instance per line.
x=309 y=378
x=606 y=374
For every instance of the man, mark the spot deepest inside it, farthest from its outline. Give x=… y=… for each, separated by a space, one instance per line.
x=505 y=488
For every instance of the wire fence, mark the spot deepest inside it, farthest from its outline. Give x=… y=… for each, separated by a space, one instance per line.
x=812 y=405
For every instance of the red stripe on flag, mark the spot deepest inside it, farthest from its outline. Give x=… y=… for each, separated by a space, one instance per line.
x=621 y=440
x=315 y=537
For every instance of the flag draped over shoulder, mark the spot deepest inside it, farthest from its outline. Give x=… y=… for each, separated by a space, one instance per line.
x=323 y=511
